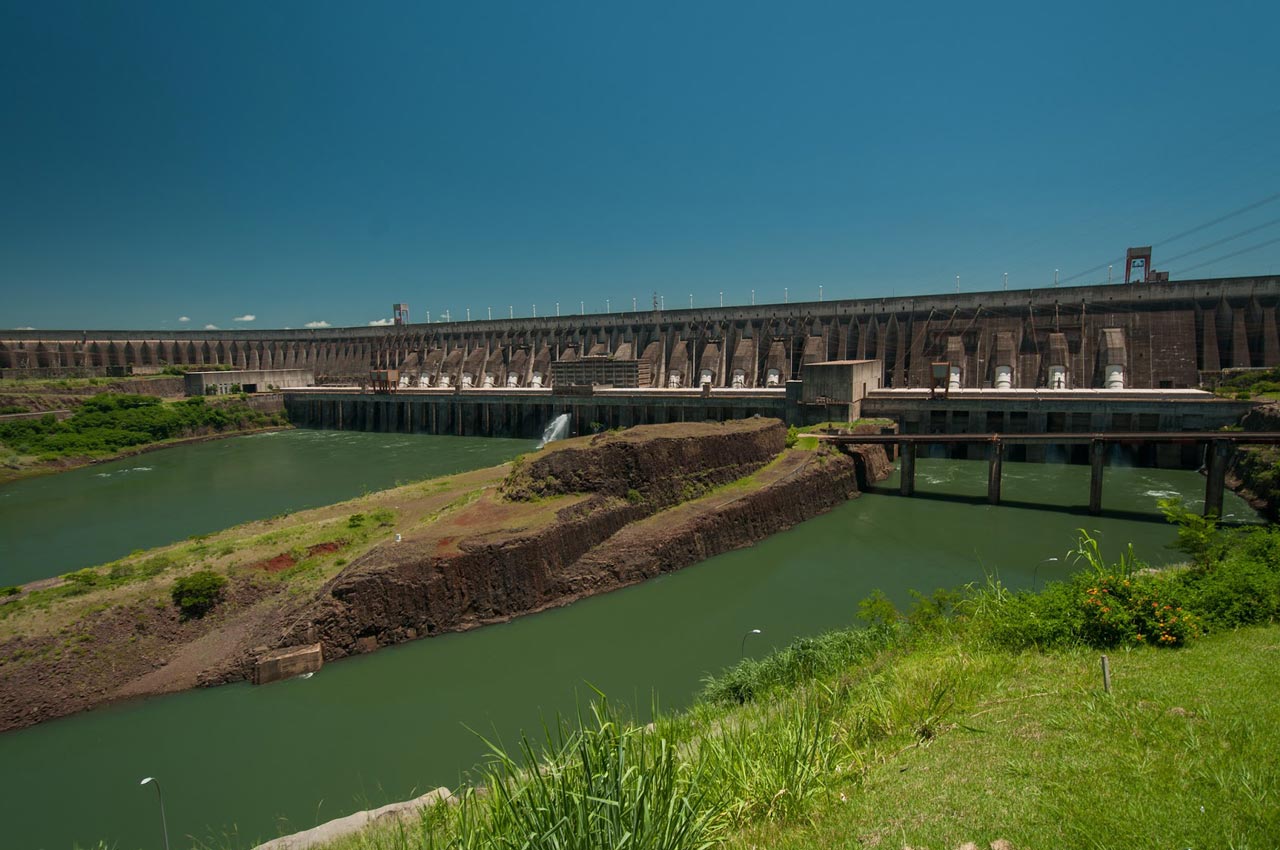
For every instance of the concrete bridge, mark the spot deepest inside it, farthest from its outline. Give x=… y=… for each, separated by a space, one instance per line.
x=1220 y=445
x=1161 y=335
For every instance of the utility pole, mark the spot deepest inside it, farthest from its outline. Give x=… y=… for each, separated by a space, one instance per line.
x=722 y=298
x=1055 y=277
x=957 y=284
x=633 y=303
x=535 y=311
x=690 y=300
x=511 y=312
x=1006 y=281
x=428 y=317
x=786 y=295
x=819 y=292
x=582 y=308
x=1109 y=266
x=606 y=305
x=468 y=314
x=753 y=298
x=557 y=309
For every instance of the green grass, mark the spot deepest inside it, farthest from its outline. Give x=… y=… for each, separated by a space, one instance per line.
x=931 y=729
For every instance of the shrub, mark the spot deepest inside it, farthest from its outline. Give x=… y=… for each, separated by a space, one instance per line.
x=10 y=590
x=197 y=594
x=355 y=520
x=383 y=516
x=793 y=437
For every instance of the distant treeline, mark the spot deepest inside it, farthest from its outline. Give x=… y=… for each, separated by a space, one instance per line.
x=109 y=422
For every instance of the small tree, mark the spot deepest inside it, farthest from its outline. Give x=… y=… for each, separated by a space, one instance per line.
x=196 y=594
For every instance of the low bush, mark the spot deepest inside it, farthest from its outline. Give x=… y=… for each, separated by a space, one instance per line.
x=197 y=594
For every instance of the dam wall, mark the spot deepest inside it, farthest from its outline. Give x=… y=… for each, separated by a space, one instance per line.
x=1161 y=335
x=522 y=413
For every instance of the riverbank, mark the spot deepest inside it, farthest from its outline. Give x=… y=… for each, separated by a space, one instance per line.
x=112 y=426
x=947 y=725
x=67 y=464
x=474 y=548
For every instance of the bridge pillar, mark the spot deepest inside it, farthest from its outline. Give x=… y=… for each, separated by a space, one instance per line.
x=1097 y=454
x=907 y=478
x=995 y=463
x=1216 y=480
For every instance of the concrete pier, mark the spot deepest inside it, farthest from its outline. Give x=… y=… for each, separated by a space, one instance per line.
x=1097 y=458
x=907 y=479
x=1219 y=453
x=995 y=457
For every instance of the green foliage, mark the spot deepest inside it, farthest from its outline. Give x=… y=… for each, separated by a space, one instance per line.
x=383 y=517
x=12 y=408
x=10 y=590
x=805 y=658
x=633 y=496
x=1198 y=535
x=878 y=609
x=197 y=594
x=108 y=422
x=793 y=437
x=356 y=520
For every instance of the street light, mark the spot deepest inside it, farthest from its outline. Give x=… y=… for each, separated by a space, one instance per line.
x=742 y=650
x=163 y=825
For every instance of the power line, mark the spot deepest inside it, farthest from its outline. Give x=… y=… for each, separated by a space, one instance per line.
x=1222 y=241
x=1219 y=219
x=1185 y=233
x=1229 y=256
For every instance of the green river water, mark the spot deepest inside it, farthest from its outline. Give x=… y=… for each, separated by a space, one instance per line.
x=241 y=764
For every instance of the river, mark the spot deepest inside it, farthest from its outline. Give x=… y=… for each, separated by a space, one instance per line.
x=53 y=524
x=240 y=763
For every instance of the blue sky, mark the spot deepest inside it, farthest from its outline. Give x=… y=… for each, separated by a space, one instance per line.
x=314 y=162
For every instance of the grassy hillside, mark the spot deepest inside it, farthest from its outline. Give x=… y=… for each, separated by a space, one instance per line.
x=978 y=716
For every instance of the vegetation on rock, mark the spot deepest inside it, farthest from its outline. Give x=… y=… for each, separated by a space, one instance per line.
x=198 y=593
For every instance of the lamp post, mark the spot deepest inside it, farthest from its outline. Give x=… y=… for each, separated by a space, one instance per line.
x=163 y=825
x=742 y=650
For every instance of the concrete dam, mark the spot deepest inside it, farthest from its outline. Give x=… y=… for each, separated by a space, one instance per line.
x=1132 y=336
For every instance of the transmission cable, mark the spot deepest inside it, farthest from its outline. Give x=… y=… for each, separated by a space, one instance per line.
x=1222 y=241
x=1176 y=237
x=1228 y=256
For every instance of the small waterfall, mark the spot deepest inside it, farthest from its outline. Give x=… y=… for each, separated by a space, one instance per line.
x=558 y=429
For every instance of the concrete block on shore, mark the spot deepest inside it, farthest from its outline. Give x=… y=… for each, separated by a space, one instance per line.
x=287 y=662
x=335 y=829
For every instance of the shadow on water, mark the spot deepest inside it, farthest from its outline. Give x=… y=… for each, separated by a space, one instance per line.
x=1072 y=510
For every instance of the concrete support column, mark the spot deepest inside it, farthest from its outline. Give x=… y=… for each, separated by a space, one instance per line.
x=1097 y=456
x=995 y=463
x=1216 y=480
x=907 y=477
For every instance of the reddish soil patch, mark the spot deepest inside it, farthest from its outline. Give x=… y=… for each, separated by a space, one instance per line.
x=278 y=564
x=285 y=560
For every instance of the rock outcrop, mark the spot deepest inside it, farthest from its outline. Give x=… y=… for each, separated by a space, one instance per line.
x=636 y=504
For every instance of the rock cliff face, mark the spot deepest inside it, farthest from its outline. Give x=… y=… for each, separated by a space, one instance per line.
x=639 y=504
x=664 y=464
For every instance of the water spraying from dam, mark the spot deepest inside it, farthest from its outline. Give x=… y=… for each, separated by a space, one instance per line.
x=557 y=429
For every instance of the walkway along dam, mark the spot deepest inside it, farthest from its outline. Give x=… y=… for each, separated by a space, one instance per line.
x=1143 y=336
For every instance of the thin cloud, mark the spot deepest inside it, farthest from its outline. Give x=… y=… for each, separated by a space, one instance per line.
x=247 y=317
x=381 y=322
x=320 y=324
x=26 y=328
x=184 y=318
x=211 y=327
